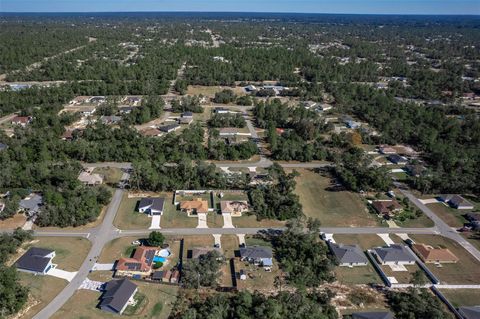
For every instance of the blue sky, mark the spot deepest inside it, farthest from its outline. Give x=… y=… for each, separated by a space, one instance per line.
x=309 y=6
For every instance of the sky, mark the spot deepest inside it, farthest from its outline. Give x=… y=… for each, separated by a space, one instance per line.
x=303 y=6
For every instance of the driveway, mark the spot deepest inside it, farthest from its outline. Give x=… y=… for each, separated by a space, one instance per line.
x=386 y=239
x=155 y=222
x=103 y=267
x=241 y=239
x=217 y=239
x=227 y=221
x=202 y=221
x=67 y=275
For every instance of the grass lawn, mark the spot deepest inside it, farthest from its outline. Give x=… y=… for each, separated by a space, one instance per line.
x=42 y=290
x=257 y=277
x=230 y=244
x=357 y=275
x=332 y=208
x=113 y=250
x=422 y=221
x=111 y=175
x=453 y=217
x=157 y=304
x=17 y=220
x=247 y=221
x=191 y=242
x=70 y=253
x=365 y=241
x=462 y=297
x=465 y=271
x=252 y=240
x=128 y=218
x=174 y=218
x=403 y=277
x=214 y=220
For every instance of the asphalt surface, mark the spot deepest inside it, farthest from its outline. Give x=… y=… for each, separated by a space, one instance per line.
x=105 y=232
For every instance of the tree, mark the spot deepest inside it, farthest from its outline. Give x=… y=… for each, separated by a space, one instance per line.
x=418 y=278
x=202 y=272
x=155 y=239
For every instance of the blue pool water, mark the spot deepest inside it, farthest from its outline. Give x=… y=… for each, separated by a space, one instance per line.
x=158 y=258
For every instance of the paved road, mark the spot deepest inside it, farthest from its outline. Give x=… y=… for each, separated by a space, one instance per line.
x=99 y=237
x=125 y=165
x=442 y=227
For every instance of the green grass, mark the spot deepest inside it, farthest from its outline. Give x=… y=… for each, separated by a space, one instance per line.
x=453 y=217
x=128 y=218
x=173 y=218
x=111 y=175
x=462 y=297
x=156 y=310
x=140 y=301
x=357 y=275
x=129 y=250
x=332 y=208
x=252 y=241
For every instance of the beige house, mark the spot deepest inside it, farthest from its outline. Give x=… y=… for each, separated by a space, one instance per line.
x=234 y=207
x=194 y=207
x=434 y=255
x=90 y=179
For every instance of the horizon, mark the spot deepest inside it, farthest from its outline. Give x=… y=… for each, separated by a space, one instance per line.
x=370 y=7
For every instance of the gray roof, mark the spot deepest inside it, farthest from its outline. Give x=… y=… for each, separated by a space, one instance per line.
x=458 y=200
x=117 y=293
x=34 y=259
x=3 y=146
x=155 y=203
x=394 y=253
x=347 y=254
x=470 y=312
x=167 y=128
x=32 y=204
x=373 y=315
x=256 y=252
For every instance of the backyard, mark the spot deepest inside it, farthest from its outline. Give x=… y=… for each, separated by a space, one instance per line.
x=111 y=175
x=465 y=271
x=332 y=208
x=462 y=297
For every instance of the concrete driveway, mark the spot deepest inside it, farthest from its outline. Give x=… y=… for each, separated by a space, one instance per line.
x=103 y=267
x=386 y=239
x=227 y=220
x=67 y=275
x=202 y=221
x=155 y=222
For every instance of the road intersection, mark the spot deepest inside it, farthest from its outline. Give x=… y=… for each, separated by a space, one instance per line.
x=100 y=235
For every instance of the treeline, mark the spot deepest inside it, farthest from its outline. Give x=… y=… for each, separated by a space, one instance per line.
x=13 y=295
x=450 y=145
x=276 y=200
x=247 y=305
x=227 y=120
x=187 y=104
x=151 y=108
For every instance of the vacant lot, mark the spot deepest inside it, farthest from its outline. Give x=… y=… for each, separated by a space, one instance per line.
x=251 y=221
x=402 y=277
x=70 y=253
x=159 y=301
x=463 y=297
x=465 y=271
x=357 y=275
x=128 y=218
x=453 y=217
x=365 y=241
x=211 y=90
x=332 y=208
x=18 y=220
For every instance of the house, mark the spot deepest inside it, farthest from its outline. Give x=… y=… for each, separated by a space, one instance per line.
x=200 y=251
x=132 y=100
x=194 y=207
x=31 y=204
x=348 y=255
x=90 y=179
x=157 y=276
x=125 y=109
x=3 y=146
x=22 y=120
x=67 y=135
x=387 y=150
x=36 y=261
x=386 y=207
x=394 y=255
x=185 y=120
x=152 y=206
x=429 y=255
x=373 y=315
x=352 y=124
x=232 y=131
x=169 y=128
x=234 y=207
x=118 y=294
x=324 y=107
x=250 y=88
x=470 y=312
x=222 y=110
x=415 y=170
x=109 y=120
x=187 y=115
x=139 y=265
x=397 y=159
x=308 y=104
x=152 y=132
x=96 y=100
x=258 y=255
x=456 y=201
x=474 y=219
x=88 y=110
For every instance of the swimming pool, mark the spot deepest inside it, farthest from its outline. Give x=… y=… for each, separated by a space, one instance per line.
x=159 y=259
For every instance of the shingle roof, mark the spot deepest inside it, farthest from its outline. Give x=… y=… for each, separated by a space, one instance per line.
x=117 y=293
x=394 y=253
x=458 y=200
x=373 y=315
x=347 y=253
x=470 y=312
x=428 y=253
x=154 y=203
x=34 y=259
x=199 y=205
x=32 y=202
x=385 y=206
x=255 y=252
